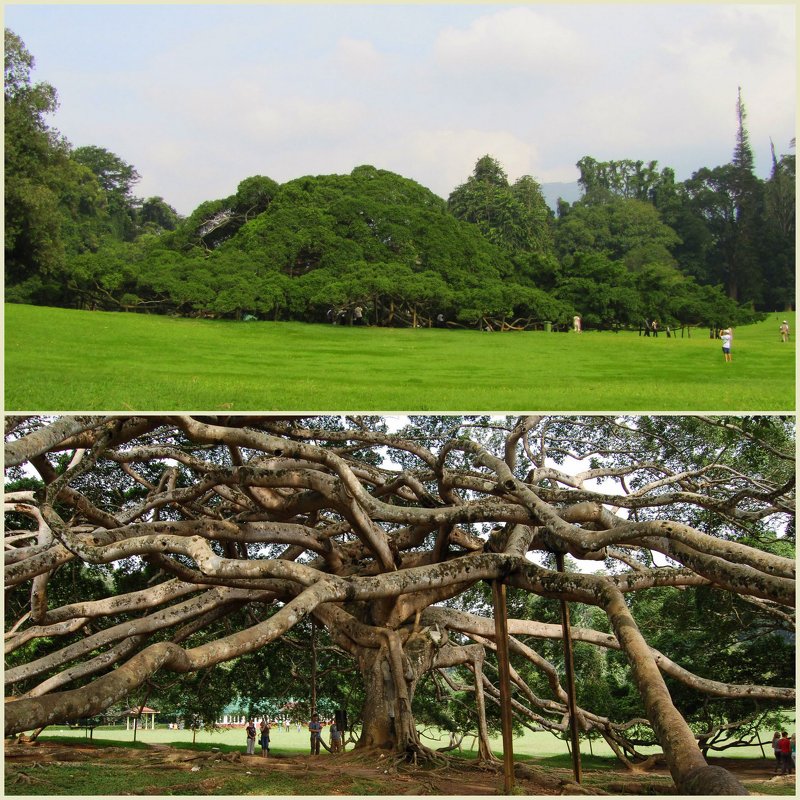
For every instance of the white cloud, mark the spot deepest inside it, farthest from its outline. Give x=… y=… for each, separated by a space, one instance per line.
x=682 y=96
x=442 y=159
x=751 y=46
x=249 y=110
x=758 y=35
x=289 y=119
x=513 y=39
x=217 y=93
x=358 y=57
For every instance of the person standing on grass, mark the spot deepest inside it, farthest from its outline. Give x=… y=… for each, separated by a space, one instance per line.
x=726 y=337
x=250 y=730
x=785 y=746
x=776 y=750
x=336 y=738
x=264 y=737
x=784 y=331
x=315 y=729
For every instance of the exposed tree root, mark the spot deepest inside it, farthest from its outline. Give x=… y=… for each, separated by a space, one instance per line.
x=27 y=779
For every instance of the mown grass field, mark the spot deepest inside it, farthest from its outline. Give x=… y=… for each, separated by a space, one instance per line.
x=531 y=743
x=66 y=360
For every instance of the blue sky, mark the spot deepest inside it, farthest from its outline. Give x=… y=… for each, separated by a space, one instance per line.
x=199 y=97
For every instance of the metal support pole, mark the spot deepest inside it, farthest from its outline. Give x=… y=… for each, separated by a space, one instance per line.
x=570 y=670
x=501 y=639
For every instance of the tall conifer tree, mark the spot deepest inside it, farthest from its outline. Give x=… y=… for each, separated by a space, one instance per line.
x=743 y=276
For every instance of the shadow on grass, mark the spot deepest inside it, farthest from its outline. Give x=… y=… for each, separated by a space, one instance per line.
x=559 y=761
x=198 y=747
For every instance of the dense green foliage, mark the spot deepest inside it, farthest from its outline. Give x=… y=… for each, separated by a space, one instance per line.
x=638 y=246
x=60 y=202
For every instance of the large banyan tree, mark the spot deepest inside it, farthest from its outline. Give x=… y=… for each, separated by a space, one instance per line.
x=378 y=533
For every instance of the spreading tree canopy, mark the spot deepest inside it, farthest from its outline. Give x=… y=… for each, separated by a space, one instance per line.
x=314 y=248
x=515 y=216
x=144 y=547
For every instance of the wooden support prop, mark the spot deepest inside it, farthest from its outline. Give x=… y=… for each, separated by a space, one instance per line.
x=760 y=744
x=570 y=670
x=313 y=667
x=501 y=639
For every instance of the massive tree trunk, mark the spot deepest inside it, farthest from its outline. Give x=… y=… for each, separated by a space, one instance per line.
x=386 y=718
x=391 y=674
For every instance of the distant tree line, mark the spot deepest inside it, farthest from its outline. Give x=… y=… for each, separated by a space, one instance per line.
x=713 y=250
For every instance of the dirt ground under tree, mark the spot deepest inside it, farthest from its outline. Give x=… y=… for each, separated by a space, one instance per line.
x=29 y=770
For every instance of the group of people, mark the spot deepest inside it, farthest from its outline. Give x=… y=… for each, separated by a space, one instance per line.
x=340 y=317
x=314 y=728
x=651 y=328
x=726 y=335
x=784 y=749
x=250 y=730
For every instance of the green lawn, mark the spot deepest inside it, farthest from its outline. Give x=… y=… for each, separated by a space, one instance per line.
x=66 y=360
x=531 y=743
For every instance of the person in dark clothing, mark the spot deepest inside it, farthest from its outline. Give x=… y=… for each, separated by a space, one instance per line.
x=250 y=730
x=776 y=750
x=264 y=737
